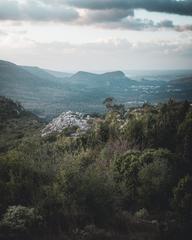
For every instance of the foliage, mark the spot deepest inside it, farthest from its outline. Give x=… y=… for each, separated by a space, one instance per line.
x=182 y=199
x=128 y=169
x=21 y=219
x=142 y=213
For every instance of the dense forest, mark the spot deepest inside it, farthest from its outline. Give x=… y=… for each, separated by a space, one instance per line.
x=128 y=177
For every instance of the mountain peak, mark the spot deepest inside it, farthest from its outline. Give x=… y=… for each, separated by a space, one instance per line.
x=93 y=76
x=115 y=74
x=84 y=74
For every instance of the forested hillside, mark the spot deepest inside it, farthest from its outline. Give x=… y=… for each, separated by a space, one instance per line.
x=128 y=177
x=15 y=124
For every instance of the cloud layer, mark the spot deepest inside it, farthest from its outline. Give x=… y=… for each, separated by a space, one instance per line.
x=33 y=10
x=183 y=7
x=108 y=55
x=112 y=14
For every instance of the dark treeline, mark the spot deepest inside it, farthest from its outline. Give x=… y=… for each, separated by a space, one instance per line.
x=128 y=177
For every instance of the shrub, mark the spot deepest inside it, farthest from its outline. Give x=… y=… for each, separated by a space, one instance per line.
x=142 y=214
x=91 y=232
x=20 y=219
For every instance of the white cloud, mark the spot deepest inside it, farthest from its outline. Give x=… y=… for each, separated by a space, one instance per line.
x=107 y=55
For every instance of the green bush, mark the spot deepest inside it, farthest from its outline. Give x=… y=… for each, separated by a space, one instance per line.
x=91 y=232
x=142 y=213
x=145 y=177
x=20 y=219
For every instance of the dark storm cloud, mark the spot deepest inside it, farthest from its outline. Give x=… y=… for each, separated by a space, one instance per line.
x=183 y=7
x=35 y=11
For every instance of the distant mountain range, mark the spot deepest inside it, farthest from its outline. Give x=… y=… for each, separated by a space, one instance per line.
x=48 y=93
x=45 y=73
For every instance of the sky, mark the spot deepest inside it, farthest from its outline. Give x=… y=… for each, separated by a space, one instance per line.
x=97 y=35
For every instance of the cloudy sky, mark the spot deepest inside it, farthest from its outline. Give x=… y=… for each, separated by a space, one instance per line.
x=97 y=35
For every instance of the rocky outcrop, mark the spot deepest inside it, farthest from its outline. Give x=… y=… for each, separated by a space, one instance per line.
x=68 y=120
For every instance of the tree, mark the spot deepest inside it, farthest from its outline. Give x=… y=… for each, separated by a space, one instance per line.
x=185 y=139
x=125 y=171
x=155 y=178
x=182 y=199
x=109 y=103
x=133 y=131
x=112 y=106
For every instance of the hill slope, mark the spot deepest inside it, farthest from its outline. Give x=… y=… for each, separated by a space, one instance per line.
x=34 y=88
x=14 y=74
x=38 y=72
x=16 y=124
x=58 y=74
